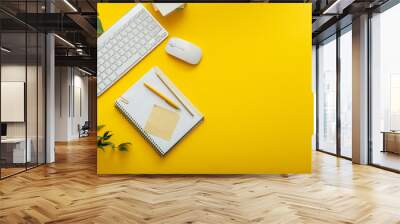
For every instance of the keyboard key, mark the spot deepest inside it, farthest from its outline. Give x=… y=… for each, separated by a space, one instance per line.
x=126 y=45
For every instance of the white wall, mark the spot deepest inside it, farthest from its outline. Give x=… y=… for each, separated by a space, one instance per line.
x=80 y=110
x=15 y=72
x=61 y=103
x=71 y=102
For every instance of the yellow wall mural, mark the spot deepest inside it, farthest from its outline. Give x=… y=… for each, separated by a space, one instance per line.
x=253 y=86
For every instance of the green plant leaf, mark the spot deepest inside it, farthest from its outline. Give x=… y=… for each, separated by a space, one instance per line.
x=99 y=127
x=107 y=144
x=103 y=141
x=99 y=27
x=124 y=146
x=100 y=145
x=107 y=135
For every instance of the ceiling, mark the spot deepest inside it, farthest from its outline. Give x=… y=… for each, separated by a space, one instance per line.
x=75 y=21
x=72 y=20
x=16 y=42
x=329 y=16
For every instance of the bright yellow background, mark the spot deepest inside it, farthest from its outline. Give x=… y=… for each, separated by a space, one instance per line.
x=253 y=85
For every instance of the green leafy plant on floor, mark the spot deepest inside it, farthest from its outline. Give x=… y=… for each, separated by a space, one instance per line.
x=103 y=141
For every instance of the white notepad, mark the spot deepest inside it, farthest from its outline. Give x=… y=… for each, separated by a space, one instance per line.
x=141 y=106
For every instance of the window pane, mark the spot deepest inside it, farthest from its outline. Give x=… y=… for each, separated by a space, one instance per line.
x=327 y=96
x=386 y=88
x=31 y=97
x=22 y=89
x=346 y=94
x=14 y=153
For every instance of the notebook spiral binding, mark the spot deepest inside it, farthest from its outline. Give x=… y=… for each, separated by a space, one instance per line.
x=141 y=130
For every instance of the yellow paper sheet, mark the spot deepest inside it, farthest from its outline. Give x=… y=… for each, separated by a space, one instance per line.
x=162 y=122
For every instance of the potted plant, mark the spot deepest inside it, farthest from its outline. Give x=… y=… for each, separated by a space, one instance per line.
x=103 y=141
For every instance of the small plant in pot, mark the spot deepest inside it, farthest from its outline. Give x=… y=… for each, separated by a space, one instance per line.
x=103 y=141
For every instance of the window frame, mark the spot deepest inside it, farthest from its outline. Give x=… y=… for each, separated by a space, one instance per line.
x=334 y=37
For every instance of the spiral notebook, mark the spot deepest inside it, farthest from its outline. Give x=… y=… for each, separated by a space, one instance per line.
x=162 y=125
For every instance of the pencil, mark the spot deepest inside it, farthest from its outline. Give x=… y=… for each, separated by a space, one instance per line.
x=173 y=92
x=162 y=96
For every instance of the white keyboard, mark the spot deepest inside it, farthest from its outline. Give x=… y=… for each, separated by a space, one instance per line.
x=125 y=44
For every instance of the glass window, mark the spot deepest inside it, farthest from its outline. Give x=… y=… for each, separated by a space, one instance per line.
x=327 y=96
x=22 y=92
x=13 y=93
x=385 y=88
x=314 y=87
x=31 y=97
x=346 y=93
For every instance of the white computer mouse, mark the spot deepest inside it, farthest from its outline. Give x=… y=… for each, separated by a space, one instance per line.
x=184 y=50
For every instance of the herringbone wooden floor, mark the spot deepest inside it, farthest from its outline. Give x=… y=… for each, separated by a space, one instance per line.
x=69 y=191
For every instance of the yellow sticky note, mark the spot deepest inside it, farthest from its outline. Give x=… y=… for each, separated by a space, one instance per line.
x=162 y=122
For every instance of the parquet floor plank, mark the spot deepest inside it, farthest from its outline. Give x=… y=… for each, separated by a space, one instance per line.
x=70 y=191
